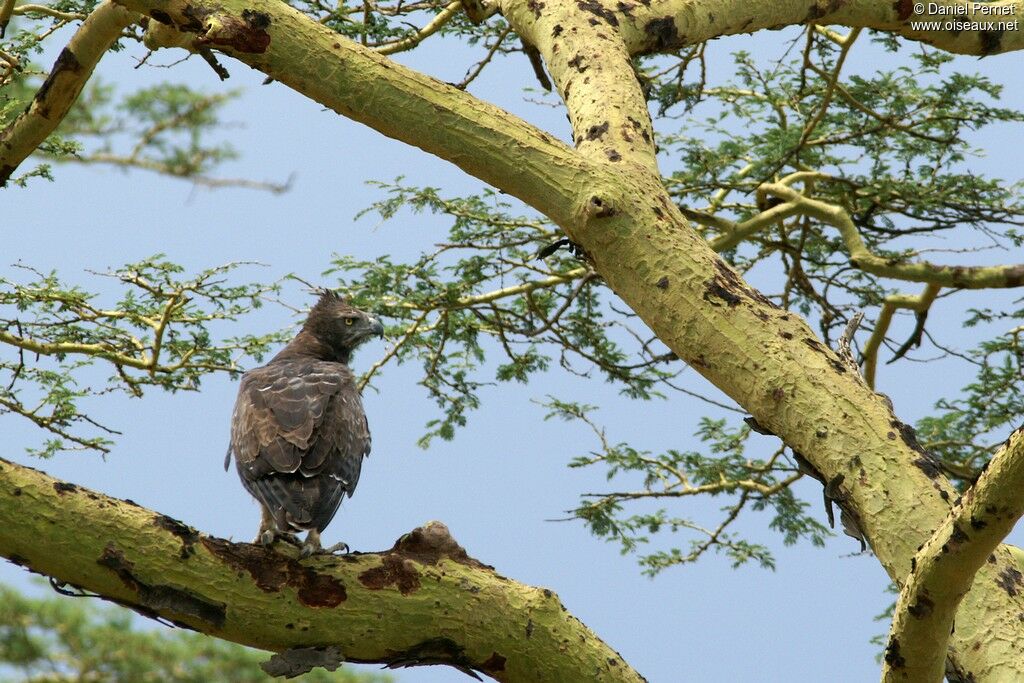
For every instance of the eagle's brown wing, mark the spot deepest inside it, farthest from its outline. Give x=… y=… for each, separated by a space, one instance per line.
x=299 y=436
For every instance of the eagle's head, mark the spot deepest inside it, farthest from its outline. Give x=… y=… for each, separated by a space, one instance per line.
x=339 y=325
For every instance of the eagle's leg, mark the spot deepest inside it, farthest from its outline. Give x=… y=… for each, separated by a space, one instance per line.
x=265 y=536
x=269 y=532
x=312 y=545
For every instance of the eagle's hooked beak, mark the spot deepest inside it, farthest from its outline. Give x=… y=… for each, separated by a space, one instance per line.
x=376 y=327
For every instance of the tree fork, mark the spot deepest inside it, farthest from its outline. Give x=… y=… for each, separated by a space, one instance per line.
x=766 y=359
x=773 y=365
x=424 y=601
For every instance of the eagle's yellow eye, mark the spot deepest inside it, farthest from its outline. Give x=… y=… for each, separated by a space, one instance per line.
x=349 y=321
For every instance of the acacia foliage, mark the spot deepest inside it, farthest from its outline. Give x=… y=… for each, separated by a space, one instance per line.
x=501 y=297
x=165 y=331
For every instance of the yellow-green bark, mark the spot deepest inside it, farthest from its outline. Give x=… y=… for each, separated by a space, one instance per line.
x=365 y=86
x=773 y=365
x=58 y=93
x=946 y=566
x=669 y=24
x=423 y=600
x=615 y=208
x=965 y=277
x=591 y=67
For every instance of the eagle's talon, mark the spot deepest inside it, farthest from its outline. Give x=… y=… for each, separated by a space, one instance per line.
x=312 y=546
x=341 y=548
x=310 y=549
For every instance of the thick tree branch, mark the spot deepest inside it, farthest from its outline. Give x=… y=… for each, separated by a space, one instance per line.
x=662 y=25
x=423 y=601
x=358 y=83
x=899 y=17
x=58 y=93
x=945 y=567
x=592 y=69
x=6 y=11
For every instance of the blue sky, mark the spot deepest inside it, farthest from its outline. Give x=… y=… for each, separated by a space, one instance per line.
x=504 y=475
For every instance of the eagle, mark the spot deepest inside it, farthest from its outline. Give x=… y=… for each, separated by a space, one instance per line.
x=298 y=430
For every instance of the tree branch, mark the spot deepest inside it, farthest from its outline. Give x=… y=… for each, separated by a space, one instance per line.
x=423 y=601
x=504 y=292
x=945 y=567
x=766 y=359
x=97 y=350
x=919 y=304
x=726 y=486
x=61 y=88
x=592 y=69
x=662 y=25
x=180 y=171
x=738 y=232
x=6 y=11
x=46 y=11
x=408 y=43
x=967 y=277
x=358 y=83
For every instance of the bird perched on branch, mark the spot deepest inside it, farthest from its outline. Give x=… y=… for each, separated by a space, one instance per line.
x=298 y=432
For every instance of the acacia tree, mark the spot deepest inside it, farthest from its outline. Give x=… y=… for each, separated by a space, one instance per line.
x=795 y=165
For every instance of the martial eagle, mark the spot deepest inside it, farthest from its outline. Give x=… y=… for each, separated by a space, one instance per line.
x=298 y=432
